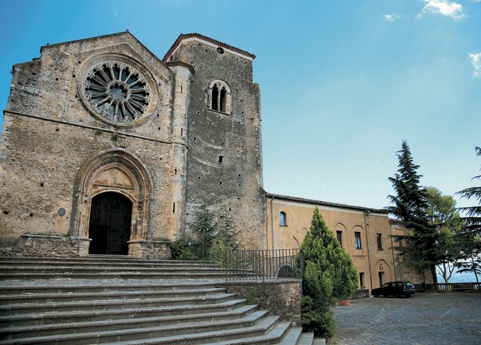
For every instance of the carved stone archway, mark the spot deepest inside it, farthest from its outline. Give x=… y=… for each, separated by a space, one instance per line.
x=119 y=172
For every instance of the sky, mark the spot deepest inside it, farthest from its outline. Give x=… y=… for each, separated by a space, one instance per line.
x=342 y=82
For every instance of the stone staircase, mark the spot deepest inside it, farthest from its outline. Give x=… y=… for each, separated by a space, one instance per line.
x=120 y=300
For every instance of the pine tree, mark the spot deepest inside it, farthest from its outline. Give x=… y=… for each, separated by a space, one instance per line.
x=473 y=213
x=419 y=247
x=471 y=232
x=329 y=276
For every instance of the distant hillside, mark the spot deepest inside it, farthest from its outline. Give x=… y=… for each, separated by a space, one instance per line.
x=460 y=278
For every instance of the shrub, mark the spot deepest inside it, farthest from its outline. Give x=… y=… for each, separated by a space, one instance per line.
x=329 y=275
x=181 y=250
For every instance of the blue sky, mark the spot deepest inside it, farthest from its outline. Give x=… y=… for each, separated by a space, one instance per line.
x=342 y=82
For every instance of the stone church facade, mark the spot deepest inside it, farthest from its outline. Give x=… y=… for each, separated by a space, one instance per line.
x=107 y=149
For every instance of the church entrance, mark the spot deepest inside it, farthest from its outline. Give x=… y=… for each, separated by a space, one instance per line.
x=110 y=224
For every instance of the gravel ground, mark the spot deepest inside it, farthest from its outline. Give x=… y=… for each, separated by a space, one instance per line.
x=425 y=318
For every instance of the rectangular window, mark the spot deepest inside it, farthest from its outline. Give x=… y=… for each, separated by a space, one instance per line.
x=358 y=240
x=339 y=236
x=361 y=279
x=379 y=241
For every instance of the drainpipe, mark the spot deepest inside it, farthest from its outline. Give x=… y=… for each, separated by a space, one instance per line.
x=272 y=223
x=392 y=252
x=366 y=214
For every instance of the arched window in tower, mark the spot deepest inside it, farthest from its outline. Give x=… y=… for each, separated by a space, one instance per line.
x=215 y=98
x=219 y=97
x=222 y=100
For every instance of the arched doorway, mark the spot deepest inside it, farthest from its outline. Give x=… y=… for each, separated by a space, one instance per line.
x=112 y=183
x=110 y=224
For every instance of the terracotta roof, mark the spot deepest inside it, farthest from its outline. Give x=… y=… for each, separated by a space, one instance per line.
x=183 y=37
x=325 y=203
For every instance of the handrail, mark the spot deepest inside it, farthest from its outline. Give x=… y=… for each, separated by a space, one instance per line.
x=465 y=286
x=262 y=264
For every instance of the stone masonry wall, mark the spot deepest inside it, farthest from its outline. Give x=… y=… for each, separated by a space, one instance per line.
x=224 y=162
x=280 y=297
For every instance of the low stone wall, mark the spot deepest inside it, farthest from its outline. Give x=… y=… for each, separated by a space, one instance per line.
x=150 y=250
x=280 y=296
x=41 y=246
x=31 y=245
x=361 y=293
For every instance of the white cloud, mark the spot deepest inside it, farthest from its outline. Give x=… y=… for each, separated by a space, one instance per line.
x=476 y=61
x=444 y=7
x=392 y=17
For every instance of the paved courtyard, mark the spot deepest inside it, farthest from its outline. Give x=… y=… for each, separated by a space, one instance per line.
x=425 y=318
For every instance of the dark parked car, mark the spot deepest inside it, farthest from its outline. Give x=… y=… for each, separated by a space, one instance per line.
x=401 y=288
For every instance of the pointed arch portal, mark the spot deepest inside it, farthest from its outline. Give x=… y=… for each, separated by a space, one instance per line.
x=113 y=202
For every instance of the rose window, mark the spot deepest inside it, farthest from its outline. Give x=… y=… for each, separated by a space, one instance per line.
x=117 y=92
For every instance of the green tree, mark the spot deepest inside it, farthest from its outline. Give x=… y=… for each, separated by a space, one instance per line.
x=226 y=229
x=473 y=213
x=329 y=276
x=444 y=216
x=419 y=247
x=204 y=228
x=471 y=232
x=207 y=228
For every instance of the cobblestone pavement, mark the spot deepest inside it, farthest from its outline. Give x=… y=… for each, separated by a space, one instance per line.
x=425 y=318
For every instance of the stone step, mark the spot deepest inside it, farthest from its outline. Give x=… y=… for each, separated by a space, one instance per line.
x=59 y=307
x=199 y=333
x=66 y=268
x=59 y=297
x=251 y=335
x=62 y=286
x=94 y=265
x=118 y=259
x=305 y=339
x=90 y=268
x=231 y=317
x=121 y=300
x=319 y=341
x=292 y=336
x=114 y=314
x=93 y=268
x=268 y=331
x=35 y=274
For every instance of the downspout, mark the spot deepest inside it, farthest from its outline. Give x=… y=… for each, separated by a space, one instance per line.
x=366 y=214
x=272 y=223
x=392 y=251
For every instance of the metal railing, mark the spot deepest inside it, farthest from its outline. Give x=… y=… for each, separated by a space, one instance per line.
x=459 y=287
x=262 y=264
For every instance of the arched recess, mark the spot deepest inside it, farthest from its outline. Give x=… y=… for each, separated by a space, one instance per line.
x=383 y=273
x=113 y=171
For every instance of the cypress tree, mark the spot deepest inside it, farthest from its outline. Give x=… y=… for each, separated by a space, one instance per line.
x=329 y=276
x=419 y=247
